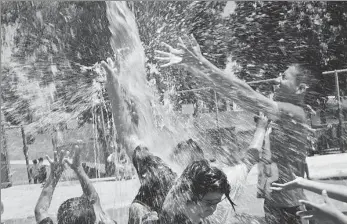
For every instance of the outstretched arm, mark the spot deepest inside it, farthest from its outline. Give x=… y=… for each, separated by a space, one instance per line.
x=45 y=198
x=337 y=192
x=237 y=174
x=87 y=186
x=324 y=213
x=76 y=165
x=126 y=129
x=190 y=58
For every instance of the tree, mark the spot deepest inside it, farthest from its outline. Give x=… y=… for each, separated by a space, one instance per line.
x=268 y=36
x=55 y=43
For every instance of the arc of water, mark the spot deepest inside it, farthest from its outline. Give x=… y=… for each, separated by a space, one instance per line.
x=125 y=36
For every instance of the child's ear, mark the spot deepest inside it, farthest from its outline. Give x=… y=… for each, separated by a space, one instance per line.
x=302 y=88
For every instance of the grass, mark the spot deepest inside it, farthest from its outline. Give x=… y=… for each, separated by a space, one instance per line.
x=19 y=174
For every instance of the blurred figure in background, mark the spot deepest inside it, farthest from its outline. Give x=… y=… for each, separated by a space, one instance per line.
x=34 y=172
x=42 y=171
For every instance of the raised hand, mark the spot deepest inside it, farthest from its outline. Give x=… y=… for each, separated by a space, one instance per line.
x=287 y=186
x=324 y=213
x=261 y=120
x=44 y=201
x=111 y=67
x=188 y=52
x=74 y=161
x=268 y=130
x=57 y=165
x=174 y=56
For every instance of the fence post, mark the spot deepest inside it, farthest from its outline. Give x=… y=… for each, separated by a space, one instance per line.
x=337 y=88
x=5 y=172
x=25 y=151
x=340 y=127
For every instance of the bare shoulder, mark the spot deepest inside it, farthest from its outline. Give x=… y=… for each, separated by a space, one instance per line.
x=292 y=110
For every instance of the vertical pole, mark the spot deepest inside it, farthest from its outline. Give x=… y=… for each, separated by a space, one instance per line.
x=55 y=141
x=340 y=127
x=216 y=103
x=4 y=151
x=25 y=151
x=105 y=142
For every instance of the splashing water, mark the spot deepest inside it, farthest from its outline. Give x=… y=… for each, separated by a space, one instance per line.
x=160 y=128
x=155 y=121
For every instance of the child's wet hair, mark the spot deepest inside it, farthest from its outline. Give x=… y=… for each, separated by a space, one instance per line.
x=77 y=210
x=187 y=152
x=201 y=178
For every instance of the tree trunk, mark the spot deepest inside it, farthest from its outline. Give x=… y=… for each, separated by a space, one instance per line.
x=5 y=171
x=55 y=141
x=102 y=138
x=25 y=151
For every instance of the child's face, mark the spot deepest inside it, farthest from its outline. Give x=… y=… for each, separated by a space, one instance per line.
x=204 y=207
x=288 y=82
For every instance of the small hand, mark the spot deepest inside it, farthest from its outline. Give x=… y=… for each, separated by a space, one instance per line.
x=57 y=166
x=324 y=213
x=261 y=120
x=174 y=56
x=268 y=130
x=287 y=186
x=187 y=53
x=278 y=80
x=111 y=67
x=75 y=161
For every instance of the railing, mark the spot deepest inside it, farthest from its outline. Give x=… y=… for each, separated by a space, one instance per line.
x=337 y=88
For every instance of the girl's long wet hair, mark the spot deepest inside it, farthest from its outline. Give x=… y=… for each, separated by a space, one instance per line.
x=200 y=178
x=155 y=176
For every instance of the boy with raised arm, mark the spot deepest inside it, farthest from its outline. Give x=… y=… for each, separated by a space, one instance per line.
x=88 y=189
x=85 y=209
x=288 y=137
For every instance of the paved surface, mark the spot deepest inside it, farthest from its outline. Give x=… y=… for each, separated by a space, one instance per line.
x=20 y=201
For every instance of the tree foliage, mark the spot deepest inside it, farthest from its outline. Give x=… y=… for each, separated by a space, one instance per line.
x=269 y=36
x=54 y=43
x=54 y=40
